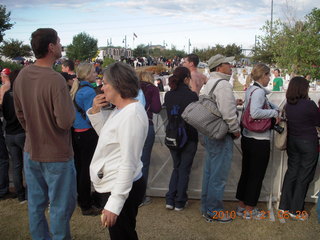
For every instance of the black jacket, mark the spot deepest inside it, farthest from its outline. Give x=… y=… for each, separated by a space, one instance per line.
x=182 y=96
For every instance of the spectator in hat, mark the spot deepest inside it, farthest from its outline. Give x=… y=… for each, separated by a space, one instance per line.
x=219 y=152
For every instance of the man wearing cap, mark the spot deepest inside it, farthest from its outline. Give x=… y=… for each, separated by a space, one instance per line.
x=219 y=152
x=191 y=62
x=46 y=112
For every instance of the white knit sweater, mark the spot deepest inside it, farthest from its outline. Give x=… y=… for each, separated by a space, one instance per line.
x=117 y=157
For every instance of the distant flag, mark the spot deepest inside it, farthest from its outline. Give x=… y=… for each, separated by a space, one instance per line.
x=135 y=35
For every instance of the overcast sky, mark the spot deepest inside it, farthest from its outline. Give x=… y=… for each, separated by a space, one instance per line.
x=174 y=22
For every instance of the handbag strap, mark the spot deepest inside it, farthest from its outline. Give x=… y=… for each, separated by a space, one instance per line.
x=250 y=101
x=214 y=86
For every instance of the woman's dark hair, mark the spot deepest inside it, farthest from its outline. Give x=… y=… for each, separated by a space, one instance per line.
x=40 y=40
x=179 y=74
x=123 y=78
x=13 y=75
x=298 y=89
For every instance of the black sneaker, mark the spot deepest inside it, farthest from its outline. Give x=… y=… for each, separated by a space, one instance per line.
x=8 y=195
x=92 y=211
x=146 y=201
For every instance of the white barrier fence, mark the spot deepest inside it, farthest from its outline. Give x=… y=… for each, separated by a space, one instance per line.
x=161 y=163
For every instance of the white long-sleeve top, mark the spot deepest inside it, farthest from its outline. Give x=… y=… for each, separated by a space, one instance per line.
x=117 y=157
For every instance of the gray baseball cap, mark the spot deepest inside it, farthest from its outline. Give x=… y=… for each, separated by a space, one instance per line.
x=216 y=60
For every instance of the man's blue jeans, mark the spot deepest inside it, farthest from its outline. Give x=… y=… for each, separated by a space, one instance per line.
x=53 y=182
x=215 y=173
x=15 y=144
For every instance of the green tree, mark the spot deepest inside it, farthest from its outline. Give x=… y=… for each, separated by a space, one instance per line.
x=107 y=61
x=15 y=48
x=294 y=46
x=230 y=50
x=233 y=50
x=140 y=51
x=297 y=47
x=263 y=50
x=83 y=47
x=4 y=21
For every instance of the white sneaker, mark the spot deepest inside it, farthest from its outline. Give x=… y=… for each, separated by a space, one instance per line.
x=254 y=214
x=169 y=207
x=239 y=211
x=303 y=216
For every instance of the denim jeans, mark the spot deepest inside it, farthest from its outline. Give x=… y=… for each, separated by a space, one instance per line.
x=4 y=165
x=15 y=144
x=182 y=163
x=53 y=182
x=215 y=172
x=146 y=153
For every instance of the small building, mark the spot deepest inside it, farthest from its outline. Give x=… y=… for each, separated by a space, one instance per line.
x=115 y=53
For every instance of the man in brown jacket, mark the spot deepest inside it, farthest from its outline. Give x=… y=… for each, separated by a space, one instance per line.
x=45 y=110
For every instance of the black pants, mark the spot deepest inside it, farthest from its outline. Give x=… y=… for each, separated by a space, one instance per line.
x=125 y=226
x=255 y=158
x=84 y=145
x=302 y=162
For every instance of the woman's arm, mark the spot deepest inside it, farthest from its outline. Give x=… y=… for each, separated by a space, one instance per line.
x=155 y=105
x=95 y=115
x=258 y=99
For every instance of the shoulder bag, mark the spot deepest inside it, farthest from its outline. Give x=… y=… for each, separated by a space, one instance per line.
x=280 y=139
x=205 y=116
x=255 y=125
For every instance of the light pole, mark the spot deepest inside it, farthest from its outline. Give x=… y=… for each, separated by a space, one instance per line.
x=271 y=23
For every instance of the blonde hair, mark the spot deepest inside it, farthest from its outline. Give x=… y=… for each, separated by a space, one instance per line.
x=146 y=77
x=83 y=71
x=259 y=71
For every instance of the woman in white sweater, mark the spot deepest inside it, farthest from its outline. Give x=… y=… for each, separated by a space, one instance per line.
x=115 y=169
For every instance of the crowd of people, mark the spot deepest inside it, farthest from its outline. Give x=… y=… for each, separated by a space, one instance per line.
x=66 y=134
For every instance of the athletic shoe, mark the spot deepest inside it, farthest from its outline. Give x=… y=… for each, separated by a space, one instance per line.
x=169 y=207
x=146 y=201
x=239 y=211
x=224 y=219
x=303 y=216
x=254 y=214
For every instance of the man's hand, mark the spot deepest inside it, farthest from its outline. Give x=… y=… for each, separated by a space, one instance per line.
x=236 y=134
x=278 y=119
x=108 y=219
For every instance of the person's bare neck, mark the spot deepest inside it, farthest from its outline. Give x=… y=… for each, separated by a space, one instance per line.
x=193 y=69
x=46 y=61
